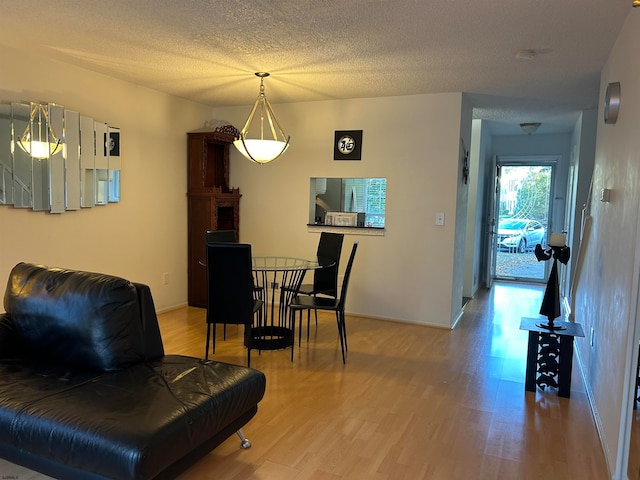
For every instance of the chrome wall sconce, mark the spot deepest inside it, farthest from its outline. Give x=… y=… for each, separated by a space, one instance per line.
x=39 y=140
x=261 y=149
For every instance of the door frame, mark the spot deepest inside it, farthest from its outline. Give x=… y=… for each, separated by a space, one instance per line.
x=493 y=209
x=490 y=225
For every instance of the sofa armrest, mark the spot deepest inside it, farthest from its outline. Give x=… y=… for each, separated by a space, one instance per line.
x=10 y=345
x=153 y=347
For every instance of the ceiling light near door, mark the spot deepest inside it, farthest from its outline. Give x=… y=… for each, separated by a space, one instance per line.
x=261 y=149
x=530 y=127
x=38 y=139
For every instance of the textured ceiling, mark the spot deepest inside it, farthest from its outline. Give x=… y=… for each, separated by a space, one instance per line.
x=207 y=51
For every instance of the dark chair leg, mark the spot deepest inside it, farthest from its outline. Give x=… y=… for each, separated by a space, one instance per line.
x=340 y=334
x=215 y=327
x=260 y=317
x=247 y=340
x=292 y=319
x=300 y=330
x=206 y=347
x=344 y=330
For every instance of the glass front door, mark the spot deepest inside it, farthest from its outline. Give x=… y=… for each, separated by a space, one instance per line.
x=522 y=212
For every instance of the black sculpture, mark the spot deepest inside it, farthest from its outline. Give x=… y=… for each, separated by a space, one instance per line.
x=550 y=307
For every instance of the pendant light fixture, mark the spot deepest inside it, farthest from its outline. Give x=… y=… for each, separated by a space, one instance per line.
x=38 y=139
x=252 y=142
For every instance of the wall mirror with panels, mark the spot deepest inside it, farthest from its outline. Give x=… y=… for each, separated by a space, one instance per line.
x=53 y=159
x=347 y=202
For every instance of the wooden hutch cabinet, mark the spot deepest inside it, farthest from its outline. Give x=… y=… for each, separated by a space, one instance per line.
x=212 y=204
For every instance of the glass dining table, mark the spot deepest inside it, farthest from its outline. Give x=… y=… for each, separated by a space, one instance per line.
x=277 y=280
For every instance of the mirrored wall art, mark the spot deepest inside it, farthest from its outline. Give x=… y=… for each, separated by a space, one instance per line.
x=53 y=159
x=6 y=159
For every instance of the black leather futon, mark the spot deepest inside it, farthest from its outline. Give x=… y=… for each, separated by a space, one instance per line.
x=86 y=391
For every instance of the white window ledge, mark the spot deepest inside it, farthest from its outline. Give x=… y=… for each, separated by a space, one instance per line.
x=371 y=231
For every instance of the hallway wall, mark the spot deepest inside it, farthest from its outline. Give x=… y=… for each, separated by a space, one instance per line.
x=607 y=291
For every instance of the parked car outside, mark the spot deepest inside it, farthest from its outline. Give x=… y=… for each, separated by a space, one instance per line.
x=519 y=234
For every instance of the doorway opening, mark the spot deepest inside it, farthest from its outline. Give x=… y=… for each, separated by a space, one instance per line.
x=523 y=213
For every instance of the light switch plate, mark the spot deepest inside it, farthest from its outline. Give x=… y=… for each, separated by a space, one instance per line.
x=440 y=219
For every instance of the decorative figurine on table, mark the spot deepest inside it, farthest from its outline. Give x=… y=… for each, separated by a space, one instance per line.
x=550 y=307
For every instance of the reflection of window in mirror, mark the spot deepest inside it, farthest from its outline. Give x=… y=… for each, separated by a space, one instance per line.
x=22 y=173
x=114 y=185
x=102 y=186
x=353 y=202
x=6 y=160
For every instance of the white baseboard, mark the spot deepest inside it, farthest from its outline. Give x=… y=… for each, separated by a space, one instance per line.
x=597 y=420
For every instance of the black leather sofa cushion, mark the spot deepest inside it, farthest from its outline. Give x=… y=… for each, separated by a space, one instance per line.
x=84 y=319
x=133 y=423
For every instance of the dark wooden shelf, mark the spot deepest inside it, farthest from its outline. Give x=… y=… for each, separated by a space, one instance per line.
x=212 y=204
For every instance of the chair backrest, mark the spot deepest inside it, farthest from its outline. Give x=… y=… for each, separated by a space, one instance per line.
x=347 y=274
x=219 y=236
x=329 y=247
x=229 y=283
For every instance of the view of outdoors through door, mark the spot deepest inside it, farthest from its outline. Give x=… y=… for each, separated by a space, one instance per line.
x=522 y=208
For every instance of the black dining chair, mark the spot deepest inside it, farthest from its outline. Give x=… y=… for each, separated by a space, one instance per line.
x=220 y=236
x=229 y=236
x=230 y=298
x=312 y=302
x=325 y=280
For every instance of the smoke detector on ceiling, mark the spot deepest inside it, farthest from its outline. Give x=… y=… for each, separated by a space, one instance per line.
x=530 y=127
x=526 y=54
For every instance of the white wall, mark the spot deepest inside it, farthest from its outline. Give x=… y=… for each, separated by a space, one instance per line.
x=145 y=234
x=414 y=142
x=475 y=246
x=462 y=201
x=607 y=292
x=583 y=147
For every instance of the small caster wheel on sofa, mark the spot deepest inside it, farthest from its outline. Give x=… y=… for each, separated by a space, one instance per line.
x=244 y=441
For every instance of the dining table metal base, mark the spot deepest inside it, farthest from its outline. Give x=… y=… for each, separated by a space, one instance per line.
x=271 y=337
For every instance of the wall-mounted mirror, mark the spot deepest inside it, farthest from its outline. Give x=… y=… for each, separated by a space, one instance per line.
x=72 y=158
x=112 y=143
x=83 y=173
x=6 y=159
x=347 y=202
x=22 y=191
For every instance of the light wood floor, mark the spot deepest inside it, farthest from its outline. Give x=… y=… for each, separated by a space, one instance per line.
x=411 y=403
x=634 y=458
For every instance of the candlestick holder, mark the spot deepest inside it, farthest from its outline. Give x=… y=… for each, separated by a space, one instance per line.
x=550 y=307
